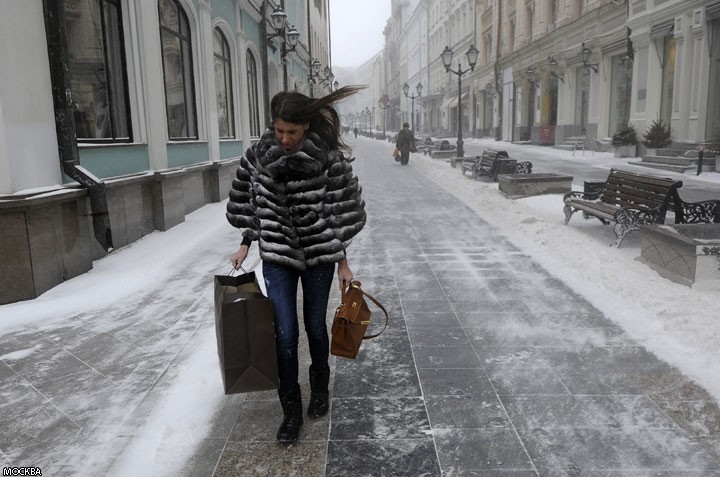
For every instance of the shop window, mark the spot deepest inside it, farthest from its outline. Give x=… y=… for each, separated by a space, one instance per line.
x=252 y=88
x=178 y=71
x=97 y=70
x=223 y=85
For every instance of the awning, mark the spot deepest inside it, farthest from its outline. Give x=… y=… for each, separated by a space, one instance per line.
x=449 y=103
x=663 y=29
x=712 y=12
x=452 y=102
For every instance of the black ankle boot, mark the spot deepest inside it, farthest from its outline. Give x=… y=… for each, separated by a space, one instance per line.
x=319 y=395
x=292 y=409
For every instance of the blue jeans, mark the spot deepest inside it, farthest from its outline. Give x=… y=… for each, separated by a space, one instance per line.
x=281 y=284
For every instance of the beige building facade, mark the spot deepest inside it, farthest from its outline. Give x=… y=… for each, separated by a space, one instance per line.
x=549 y=71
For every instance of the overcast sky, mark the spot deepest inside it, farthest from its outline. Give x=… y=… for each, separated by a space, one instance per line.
x=356 y=30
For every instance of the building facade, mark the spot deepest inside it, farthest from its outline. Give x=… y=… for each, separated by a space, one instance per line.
x=119 y=117
x=549 y=71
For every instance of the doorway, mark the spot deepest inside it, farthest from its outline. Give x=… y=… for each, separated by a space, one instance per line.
x=531 y=90
x=581 y=101
x=620 y=90
x=668 y=79
x=712 y=132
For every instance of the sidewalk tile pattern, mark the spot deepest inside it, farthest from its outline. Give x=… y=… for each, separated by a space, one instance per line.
x=490 y=366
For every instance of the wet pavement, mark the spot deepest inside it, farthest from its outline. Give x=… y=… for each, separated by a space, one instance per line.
x=490 y=366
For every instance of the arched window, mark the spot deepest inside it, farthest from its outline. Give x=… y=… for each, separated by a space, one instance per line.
x=97 y=74
x=223 y=86
x=178 y=71
x=252 y=87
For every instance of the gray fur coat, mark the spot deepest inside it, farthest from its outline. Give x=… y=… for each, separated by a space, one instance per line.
x=303 y=208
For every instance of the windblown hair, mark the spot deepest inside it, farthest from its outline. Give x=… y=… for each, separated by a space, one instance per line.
x=296 y=108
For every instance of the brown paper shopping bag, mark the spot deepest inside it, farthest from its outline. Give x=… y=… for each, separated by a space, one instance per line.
x=245 y=329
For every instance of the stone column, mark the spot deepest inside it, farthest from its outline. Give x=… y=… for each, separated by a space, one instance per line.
x=207 y=62
x=153 y=83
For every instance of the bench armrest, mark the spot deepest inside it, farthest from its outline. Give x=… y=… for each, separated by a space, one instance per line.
x=524 y=167
x=576 y=194
x=706 y=211
x=629 y=216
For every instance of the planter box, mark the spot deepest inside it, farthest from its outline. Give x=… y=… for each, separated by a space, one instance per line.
x=515 y=186
x=443 y=154
x=684 y=253
x=625 y=151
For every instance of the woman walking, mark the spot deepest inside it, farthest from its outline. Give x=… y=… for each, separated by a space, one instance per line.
x=296 y=195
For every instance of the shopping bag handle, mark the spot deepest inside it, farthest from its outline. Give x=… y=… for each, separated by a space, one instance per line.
x=233 y=270
x=356 y=284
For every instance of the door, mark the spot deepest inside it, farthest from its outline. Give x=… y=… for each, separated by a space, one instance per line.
x=530 y=110
x=621 y=85
x=712 y=132
x=668 y=80
x=581 y=101
x=489 y=106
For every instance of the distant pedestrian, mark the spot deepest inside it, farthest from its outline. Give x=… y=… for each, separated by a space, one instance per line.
x=405 y=143
x=355 y=131
x=296 y=195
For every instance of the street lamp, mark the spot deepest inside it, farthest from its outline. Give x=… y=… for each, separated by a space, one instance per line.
x=384 y=103
x=490 y=90
x=313 y=72
x=406 y=90
x=289 y=38
x=532 y=77
x=553 y=65
x=447 y=56
x=367 y=118
x=585 y=57
x=328 y=78
x=278 y=18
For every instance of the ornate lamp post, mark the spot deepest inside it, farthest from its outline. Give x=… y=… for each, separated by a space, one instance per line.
x=327 y=79
x=384 y=103
x=447 y=56
x=406 y=90
x=585 y=57
x=289 y=38
x=313 y=73
x=553 y=65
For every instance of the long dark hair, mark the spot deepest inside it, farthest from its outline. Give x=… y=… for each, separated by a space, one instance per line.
x=296 y=108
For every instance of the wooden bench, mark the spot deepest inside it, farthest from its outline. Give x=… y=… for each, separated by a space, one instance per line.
x=488 y=164
x=629 y=199
x=443 y=145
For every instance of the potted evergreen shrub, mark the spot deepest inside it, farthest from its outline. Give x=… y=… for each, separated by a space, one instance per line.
x=625 y=141
x=658 y=136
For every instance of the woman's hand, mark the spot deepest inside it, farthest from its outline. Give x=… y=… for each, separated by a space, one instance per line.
x=345 y=275
x=239 y=257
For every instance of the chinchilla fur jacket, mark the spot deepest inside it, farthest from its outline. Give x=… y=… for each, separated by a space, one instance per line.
x=302 y=207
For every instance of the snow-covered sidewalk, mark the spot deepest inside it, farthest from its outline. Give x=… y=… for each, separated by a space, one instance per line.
x=140 y=324
x=680 y=324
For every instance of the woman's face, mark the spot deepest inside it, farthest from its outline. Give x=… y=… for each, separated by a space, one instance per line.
x=289 y=134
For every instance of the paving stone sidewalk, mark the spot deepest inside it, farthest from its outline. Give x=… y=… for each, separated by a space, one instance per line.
x=489 y=367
